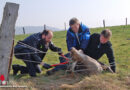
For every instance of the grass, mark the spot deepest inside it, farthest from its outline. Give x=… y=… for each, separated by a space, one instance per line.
x=106 y=81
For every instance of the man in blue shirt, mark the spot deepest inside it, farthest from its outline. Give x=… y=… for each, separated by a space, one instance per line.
x=77 y=36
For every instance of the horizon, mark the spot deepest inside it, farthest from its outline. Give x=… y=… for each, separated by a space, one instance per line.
x=55 y=13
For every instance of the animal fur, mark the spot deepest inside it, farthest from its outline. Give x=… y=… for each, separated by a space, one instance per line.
x=93 y=67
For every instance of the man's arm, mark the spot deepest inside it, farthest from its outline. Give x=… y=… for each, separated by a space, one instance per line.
x=69 y=41
x=85 y=39
x=54 y=48
x=111 y=58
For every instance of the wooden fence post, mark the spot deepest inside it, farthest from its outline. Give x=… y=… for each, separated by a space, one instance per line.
x=126 y=22
x=23 y=30
x=44 y=26
x=104 y=23
x=65 y=26
x=7 y=32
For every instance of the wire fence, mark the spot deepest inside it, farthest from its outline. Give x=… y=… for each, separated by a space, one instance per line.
x=70 y=62
x=118 y=63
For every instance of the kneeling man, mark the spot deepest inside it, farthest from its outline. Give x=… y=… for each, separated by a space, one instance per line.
x=32 y=50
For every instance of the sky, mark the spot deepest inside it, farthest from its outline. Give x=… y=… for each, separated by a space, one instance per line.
x=57 y=12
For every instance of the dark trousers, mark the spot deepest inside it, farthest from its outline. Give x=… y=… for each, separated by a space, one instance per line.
x=31 y=67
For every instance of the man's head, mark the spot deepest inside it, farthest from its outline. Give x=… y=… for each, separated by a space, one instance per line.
x=47 y=35
x=105 y=36
x=74 y=24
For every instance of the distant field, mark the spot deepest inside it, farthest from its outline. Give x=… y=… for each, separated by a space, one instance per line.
x=107 y=81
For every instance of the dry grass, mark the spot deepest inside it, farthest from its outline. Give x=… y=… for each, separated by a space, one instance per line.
x=100 y=82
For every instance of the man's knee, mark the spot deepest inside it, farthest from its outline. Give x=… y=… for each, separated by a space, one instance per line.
x=67 y=55
x=38 y=69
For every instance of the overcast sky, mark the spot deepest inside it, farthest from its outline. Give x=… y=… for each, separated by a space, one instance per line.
x=55 y=12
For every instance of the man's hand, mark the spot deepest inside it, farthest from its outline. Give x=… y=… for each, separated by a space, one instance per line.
x=60 y=51
x=46 y=66
x=42 y=63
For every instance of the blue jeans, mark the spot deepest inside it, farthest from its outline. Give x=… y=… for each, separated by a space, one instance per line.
x=64 y=66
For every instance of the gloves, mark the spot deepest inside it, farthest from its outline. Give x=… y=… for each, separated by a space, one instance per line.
x=47 y=66
x=60 y=51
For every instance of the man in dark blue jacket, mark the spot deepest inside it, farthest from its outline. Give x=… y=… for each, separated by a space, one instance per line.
x=77 y=36
x=32 y=51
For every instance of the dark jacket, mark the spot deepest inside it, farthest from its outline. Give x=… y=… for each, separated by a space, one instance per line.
x=83 y=36
x=96 y=50
x=35 y=41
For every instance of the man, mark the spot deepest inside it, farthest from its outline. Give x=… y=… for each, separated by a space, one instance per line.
x=99 y=45
x=77 y=36
x=32 y=51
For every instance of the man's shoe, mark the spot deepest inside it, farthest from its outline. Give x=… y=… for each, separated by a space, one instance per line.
x=15 y=68
x=50 y=72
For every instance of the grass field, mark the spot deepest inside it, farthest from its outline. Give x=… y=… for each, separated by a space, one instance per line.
x=106 y=81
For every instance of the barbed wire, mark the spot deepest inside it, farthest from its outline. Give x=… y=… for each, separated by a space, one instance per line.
x=33 y=48
x=39 y=51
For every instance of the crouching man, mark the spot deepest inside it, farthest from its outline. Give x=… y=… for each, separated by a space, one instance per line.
x=32 y=51
x=99 y=45
x=77 y=36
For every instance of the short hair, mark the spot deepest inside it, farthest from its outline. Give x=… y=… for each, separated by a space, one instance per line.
x=106 y=33
x=73 y=21
x=46 y=32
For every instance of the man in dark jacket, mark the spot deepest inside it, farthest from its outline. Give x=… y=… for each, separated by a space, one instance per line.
x=99 y=45
x=77 y=36
x=32 y=51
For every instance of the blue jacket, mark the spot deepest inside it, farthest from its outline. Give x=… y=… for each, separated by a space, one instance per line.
x=83 y=34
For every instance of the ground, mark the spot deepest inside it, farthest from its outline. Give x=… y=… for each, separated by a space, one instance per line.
x=106 y=81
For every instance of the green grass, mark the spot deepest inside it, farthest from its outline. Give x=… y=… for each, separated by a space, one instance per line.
x=121 y=45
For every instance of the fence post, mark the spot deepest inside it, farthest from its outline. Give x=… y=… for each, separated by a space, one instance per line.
x=126 y=21
x=65 y=26
x=23 y=30
x=7 y=32
x=44 y=26
x=104 y=23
